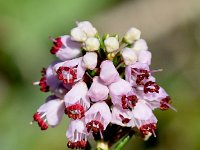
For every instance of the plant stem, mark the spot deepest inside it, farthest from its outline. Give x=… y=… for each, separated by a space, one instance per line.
x=121 y=143
x=102 y=145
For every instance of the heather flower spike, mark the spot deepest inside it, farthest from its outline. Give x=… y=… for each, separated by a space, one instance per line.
x=104 y=84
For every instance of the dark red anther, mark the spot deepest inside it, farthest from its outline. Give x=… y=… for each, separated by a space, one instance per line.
x=94 y=126
x=151 y=87
x=164 y=103
x=141 y=74
x=145 y=129
x=57 y=45
x=75 y=111
x=124 y=120
x=77 y=145
x=43 y=126
x=36 y=116
x=129 y=102
x=71 y=72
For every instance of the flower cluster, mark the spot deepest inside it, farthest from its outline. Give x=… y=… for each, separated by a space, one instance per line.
x=99 y=82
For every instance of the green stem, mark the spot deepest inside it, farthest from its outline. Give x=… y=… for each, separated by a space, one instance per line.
x=101 y=145
x=121 y=143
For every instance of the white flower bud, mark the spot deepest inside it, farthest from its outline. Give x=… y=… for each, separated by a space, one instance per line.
x=92 y=44
x=111 y=44
x=78 y=35
x=90 y=60
x=88 y=28
x=132 y=35
x=140 y=45
x=144 y=57
x=129 y=56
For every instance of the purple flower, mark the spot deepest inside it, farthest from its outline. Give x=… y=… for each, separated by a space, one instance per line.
x=50 y=113
x=76 y=101
x=122 y=94
x=65 y=49
x=97 y=117
x=76 y=134
x=70 y=71
x=98 y=91
x=108 y=73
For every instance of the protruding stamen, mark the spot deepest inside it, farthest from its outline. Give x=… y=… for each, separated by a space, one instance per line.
x=95 y=126
x=39 y=119
x=165 y=104
x=145 y=129
x=57 y=45
x=124 y=120
x=151 y=87
x=129 y=102
x=77 y=145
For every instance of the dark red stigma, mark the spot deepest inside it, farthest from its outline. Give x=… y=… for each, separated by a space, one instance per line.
x=62 y=71
x=148 y=87
x=145 y=129
x=41 y=123
x=94 y=126
x=164 y=102
x=75 y=111
x=77 y=145
x=129 y=102
x=124 y=120
x=57 y=45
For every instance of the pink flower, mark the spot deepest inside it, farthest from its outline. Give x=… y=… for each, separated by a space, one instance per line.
x=98 y=91
x=97 y=117
x=144 y=118
x=50 y=113
x=137 y=73
x=90 y=60
x=108 y=73
x=76 y=134
x=87 y=28
x=76 y=101
x=122 y=117
x=64 y=48
x=122 y=94
x=70 y=71
x=144 y=56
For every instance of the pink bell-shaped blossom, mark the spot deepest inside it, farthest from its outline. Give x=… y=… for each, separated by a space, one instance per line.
x=50 y=113
x=122 y=117
x=76 y=134
x=70 y=71
x=137 y=73
x=97 y=117
x=76 y=101
x=108 y=73
x=65 y=49
x=144 y=118
x=98 y=91
x=122 y=94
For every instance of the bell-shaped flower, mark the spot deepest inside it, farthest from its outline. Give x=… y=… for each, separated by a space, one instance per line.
x=122 y=117
x=108 y=73
x=76 y=134
x=144 y=57
x=65 y=49
x=76 y=101
x=140 y=45
x=50 y=113
x=137 y=73
x=90 y=60
x=111 y=44
x=144 y=118
x=92 y=44
x=98 y=91
x=129 y=56
x=132 y=35
x=97 y=117
x=87 y=28
x=70 y=71
x=122 y=94
x=78 y=35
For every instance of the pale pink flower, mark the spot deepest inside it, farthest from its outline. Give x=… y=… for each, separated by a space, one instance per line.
x=76 y=101
x=140 y=45
x=122 y=117
x=90 y=60
x=70 y=71
x=144 y=57
x=50 y=113
x=97 y=117
x=122 y=94
x=98 y=91
x=76 y=134
x=64 y=48
x=87 y=28
x=108 y=73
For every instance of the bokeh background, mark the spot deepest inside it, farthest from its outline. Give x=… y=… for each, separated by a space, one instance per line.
x=171 y=28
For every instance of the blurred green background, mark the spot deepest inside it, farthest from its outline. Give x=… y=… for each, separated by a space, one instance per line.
x=171 y=28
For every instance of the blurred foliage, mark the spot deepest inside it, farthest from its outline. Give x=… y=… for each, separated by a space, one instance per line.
x=24 y=50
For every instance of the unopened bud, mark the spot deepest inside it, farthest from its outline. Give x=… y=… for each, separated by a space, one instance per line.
x=132 y=35
x=78 y=35
x=92 y=44
x=111 y=44
x=129 y=56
